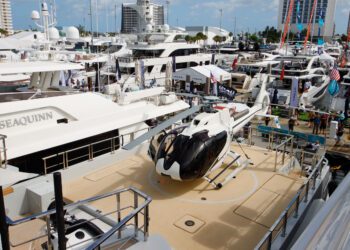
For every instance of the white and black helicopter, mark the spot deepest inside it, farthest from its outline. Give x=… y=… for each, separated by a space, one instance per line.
x=195 y=151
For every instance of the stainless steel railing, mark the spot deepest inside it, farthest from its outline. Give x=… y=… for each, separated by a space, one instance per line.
x=280 y=225
x=65 y=159
x=3 y=151
x=137 y=212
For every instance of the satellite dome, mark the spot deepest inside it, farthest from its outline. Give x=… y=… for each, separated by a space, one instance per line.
x=72 y=33
x=166 y=27
x=54 y=34
x=35 y=15
x=149 y=27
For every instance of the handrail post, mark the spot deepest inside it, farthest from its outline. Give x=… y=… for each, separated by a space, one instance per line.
x=90 y=152
x=48 y=228
x=285 y=220
x=45 y=166
x=314 y=181
x=59 y=211
x=119 y=214
x=297 y=207
x=136 y=204
x=269 y=243
x=276 y=156
x=146 y=223
x=307 y=191
x=4 y=227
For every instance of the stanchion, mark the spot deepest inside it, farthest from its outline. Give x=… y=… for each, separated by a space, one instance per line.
x=4 y=228
x=59 y=211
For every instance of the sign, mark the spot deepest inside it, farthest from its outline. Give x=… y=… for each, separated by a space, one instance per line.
x=26 y=120
x=294 y=102
x=227 y=92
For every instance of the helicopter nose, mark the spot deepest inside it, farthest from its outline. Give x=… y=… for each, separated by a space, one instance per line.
x=173 y=171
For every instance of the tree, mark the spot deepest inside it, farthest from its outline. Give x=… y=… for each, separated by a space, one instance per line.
x=254 y=38
x=3 y=32
x=217 y=39
x=188 y=38
x=82 y=31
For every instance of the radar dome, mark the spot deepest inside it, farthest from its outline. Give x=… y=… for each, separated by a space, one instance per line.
x=72 y=33
x=35 y=15
x=54 y=34
x=166 y=27
x=149 y=27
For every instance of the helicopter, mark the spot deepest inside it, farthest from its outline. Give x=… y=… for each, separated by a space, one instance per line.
x=195 y=151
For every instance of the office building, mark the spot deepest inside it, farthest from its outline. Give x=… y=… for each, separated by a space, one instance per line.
x=325 y=9
x=141 y=17
x=6 y=16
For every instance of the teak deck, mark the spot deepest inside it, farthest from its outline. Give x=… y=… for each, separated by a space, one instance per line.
x=234 y=217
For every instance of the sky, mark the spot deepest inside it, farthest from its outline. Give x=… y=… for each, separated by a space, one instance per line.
x=250 y=15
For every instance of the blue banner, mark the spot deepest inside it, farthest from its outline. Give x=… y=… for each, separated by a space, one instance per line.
x=294 y=100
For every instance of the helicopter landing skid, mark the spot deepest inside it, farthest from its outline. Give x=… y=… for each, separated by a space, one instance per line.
x=219 y=185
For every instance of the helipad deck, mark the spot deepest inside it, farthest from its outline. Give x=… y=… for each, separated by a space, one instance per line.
x=193 y=215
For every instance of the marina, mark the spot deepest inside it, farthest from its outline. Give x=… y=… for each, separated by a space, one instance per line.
x=143 y=134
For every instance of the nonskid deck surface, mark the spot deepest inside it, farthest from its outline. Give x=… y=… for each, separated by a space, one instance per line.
x=234 y=217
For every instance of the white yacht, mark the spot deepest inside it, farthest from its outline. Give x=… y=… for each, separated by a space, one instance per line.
x=155 y=57
x=40 y=127
x=305 y=69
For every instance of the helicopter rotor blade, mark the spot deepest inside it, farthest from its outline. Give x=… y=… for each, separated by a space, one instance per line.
x=161 y=127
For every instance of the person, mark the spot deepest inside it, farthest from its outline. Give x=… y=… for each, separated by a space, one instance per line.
x=291 y=123
x=307 y=86
x=267 y=121
x=311 y=119
x=316 y=146
x=317 y=122
x=324 y=121
x=340 y=133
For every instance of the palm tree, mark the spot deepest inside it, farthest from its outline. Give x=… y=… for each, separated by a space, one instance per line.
x=217 y=39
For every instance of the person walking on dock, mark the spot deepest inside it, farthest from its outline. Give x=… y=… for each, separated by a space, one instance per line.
x=323 y=126
x=291 y=123
x=317 y=122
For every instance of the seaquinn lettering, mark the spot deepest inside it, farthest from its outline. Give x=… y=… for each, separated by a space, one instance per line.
x=25 y=120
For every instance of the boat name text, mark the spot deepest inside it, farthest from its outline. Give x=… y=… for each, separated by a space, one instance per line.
x=25 y=120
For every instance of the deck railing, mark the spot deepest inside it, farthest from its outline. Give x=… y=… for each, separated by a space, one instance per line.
x=65 y=159
x=280 y=225
x=118 y=220
x=3 y=151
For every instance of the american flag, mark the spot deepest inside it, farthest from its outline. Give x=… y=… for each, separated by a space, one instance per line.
x=334 y=74
x=213 y=79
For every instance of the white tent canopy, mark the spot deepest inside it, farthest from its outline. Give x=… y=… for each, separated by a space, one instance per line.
x=200 y=74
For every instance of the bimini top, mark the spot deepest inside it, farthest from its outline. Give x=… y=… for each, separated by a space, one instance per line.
x=35 y=125
x=37 y=66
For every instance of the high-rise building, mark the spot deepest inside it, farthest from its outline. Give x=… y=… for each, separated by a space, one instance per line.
x=325 y=10
x=142 y=16
x=6 y=16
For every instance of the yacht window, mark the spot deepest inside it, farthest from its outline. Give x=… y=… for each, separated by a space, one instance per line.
x=138 y=53
x=316 y=64
x=346 y=80
x=181 y=65
x=207 y=62
x=317 y=81
x=194 y=64
x=163 y=68
x=149 y=69
x=183 y=52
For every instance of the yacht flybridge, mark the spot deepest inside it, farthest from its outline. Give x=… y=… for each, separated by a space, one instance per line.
x=312 y=76
x=155 y=58
x=44 y=75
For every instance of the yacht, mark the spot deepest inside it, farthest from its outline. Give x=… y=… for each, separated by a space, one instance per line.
x=305 y=69
x=155 y=57
x=118 y=200
x=39 y=127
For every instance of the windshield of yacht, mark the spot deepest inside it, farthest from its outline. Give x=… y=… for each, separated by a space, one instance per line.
x=113 y=49
x=147 y=53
